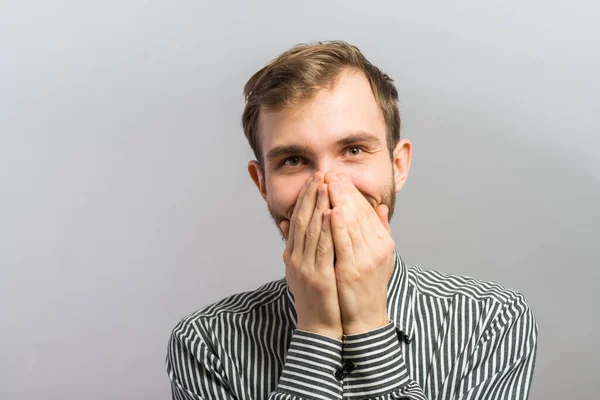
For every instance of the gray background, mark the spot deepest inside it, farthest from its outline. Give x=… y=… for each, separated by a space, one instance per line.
x=125 y=202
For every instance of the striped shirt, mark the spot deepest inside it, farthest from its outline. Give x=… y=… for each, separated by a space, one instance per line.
x=449 y=337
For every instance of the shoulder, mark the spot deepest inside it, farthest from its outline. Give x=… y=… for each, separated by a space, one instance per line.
x=441 y=285
x=241 y=305
x=497 y=307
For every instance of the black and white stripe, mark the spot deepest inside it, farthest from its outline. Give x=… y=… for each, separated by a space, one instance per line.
x=449 y=337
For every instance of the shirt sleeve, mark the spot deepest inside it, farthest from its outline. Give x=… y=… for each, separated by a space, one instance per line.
x=195 y=373
x=312 y=368
x=497 y=365
x=502 y=363
x=309 y=372
x=374 y=367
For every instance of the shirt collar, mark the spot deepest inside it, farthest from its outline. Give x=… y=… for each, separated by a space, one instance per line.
x=399 y=300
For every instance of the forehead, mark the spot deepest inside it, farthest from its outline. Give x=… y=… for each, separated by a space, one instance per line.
x=349 y=106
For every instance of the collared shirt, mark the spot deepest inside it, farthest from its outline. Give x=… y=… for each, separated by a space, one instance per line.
x=449 y=337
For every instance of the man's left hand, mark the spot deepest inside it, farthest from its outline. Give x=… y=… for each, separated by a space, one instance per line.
x=364 y=250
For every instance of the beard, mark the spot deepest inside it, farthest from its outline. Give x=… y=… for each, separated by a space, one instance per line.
x=388 y=198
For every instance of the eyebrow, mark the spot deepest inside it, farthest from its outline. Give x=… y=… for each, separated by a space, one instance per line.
x=288 y=150
x=294 y=149
x=358 y=137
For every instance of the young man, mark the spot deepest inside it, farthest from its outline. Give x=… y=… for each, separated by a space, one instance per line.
x=350 y=320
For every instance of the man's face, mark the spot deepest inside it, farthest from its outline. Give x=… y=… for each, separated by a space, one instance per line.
x=340 y=130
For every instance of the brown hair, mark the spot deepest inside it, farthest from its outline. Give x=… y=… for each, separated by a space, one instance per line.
x=300 y=72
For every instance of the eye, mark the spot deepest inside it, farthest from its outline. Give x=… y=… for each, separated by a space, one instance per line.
x=292 y=161
x=354 y=151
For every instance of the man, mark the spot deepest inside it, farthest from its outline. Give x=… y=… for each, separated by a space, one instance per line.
x=350 y=320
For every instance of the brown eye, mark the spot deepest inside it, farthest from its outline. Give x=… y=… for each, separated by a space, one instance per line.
x=292 y=161
x=354 y=151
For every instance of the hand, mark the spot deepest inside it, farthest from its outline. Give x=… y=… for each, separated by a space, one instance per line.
x=308 y=258
x=364 y=249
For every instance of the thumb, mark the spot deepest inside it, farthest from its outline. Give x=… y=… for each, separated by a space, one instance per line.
x=285 y=228
x=383 y=212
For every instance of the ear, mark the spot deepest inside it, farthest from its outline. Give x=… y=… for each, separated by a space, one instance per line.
x=256 y=174
x=401 y=162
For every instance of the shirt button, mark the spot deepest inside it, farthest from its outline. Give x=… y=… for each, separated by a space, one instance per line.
x=348 y=366
x=339 y=374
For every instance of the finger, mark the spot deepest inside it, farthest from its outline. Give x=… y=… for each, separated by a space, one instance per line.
x=366 y=215
x=354 y=197
x=335 y=191
x=291 y=228
x=325 y=251
x=341 y=238
x=357 y=221
x=303 y=214
x=383 y=213
x=313 y=231
x=285 y=228
x=342 y=195
x=359 y=231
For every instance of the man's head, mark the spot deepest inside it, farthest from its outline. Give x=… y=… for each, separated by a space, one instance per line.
x=324 y=107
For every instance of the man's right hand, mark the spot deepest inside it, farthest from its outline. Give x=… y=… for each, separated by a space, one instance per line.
x=309 y=258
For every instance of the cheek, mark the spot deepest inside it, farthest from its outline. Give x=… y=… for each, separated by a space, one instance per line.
x=283 y=193
x=370 y=181
x=368 y=176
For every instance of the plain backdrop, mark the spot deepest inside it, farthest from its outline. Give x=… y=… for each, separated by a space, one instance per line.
x=125 y=202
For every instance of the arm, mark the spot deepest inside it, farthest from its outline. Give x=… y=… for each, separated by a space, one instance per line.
x=502 y=363
x=377 y=368
x=314 y=354
x=364 y=248
x=196 y=372
x=499 y=366
x=310 y=369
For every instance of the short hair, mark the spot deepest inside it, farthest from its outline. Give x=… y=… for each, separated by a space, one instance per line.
x=300 y=72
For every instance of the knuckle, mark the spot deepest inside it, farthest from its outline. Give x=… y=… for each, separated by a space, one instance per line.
x=323 y=248
x=298 y=220
x=353 y=226
x=346 y=246
x=286 y=257
x=294 y=262
x=352 y=276
x=371 y=265
x=303 y=276
x=312 y=233
x=318 y=285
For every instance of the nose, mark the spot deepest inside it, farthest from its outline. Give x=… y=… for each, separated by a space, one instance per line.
x=324 y=165
x=327 y=167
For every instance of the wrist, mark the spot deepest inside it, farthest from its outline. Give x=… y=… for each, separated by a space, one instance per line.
x=361 y=327
x=323 y=331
